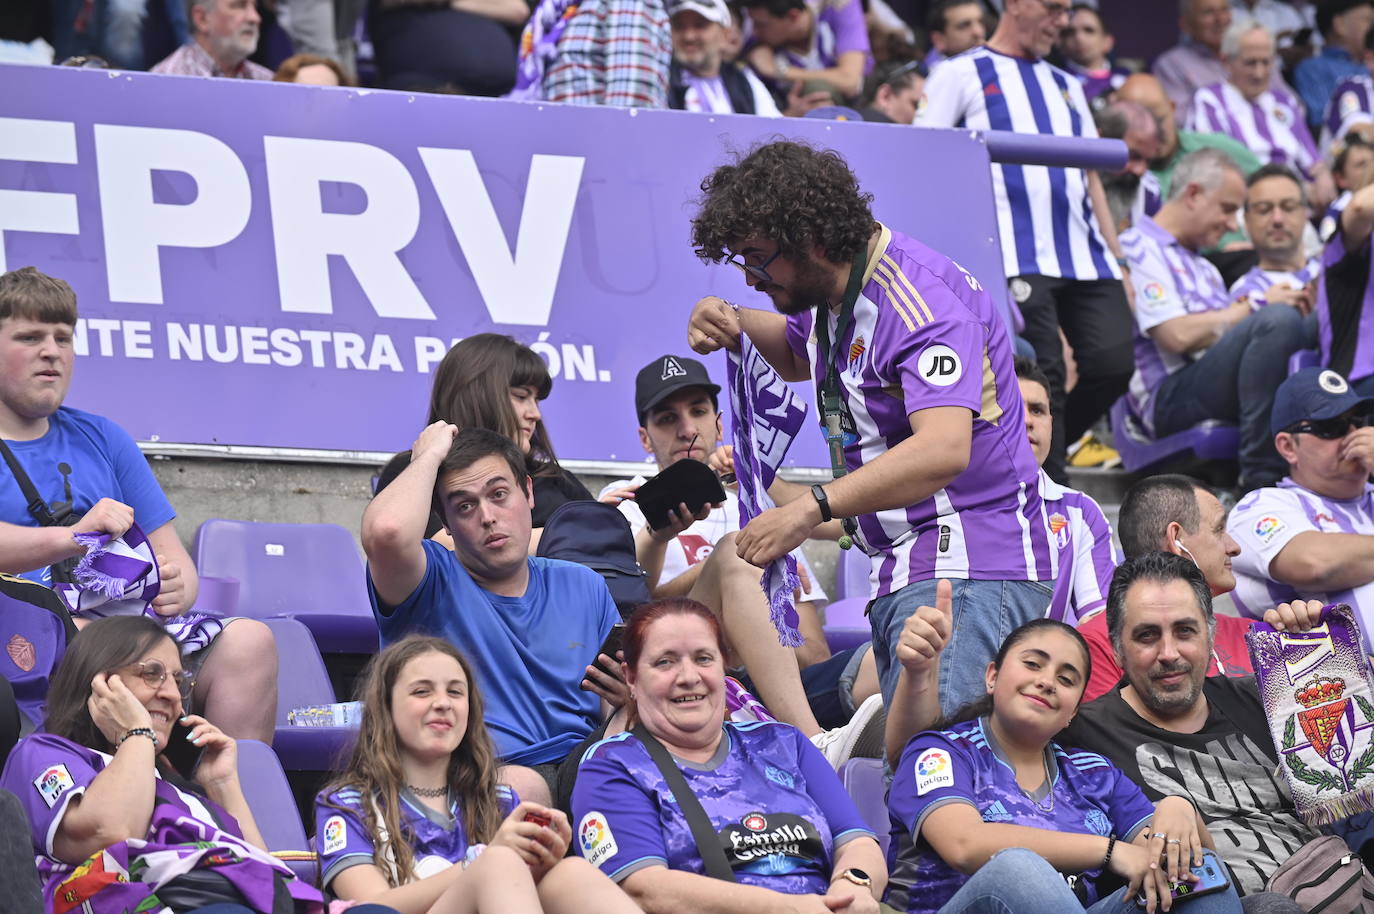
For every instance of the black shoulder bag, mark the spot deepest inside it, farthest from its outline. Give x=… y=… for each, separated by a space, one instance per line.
x=59 y=514
x=708 y=842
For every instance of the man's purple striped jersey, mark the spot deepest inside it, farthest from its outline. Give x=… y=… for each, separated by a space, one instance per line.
x=1345 y=308
x=925 y=334
x=1045 y=215
x=1352 y=102
x=1272 y=126
x=1267 y=520
x=1256 y=283
x=1083 y=558
x=1170 y=281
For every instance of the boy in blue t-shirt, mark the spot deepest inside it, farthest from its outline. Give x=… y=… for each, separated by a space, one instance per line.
x=529 y=625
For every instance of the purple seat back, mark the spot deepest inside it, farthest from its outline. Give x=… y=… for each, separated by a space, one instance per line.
x=310 y=572
x=302 y=680
x=863 y=779
x=1303 y=358
x=851 y=578
x=1209 y=441
x=274 y=807
x=846 y=625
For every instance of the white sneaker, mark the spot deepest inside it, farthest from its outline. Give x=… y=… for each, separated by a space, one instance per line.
x=862 y=737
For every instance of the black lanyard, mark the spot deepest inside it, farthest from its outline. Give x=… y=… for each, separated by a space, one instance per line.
x=828 y=387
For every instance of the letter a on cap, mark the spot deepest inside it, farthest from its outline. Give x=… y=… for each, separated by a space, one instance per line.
x=671 y=369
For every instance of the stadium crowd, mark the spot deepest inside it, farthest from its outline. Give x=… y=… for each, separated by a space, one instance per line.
x=1066 y=721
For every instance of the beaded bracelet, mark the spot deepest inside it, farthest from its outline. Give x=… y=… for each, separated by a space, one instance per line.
x=1111 y=844
x=138 y=731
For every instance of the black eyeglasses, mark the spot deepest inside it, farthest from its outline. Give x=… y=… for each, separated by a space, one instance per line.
x=1328 y=429
x=154 y=674
x=760 y=272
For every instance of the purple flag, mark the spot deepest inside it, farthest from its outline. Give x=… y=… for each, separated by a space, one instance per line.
x=765 y=418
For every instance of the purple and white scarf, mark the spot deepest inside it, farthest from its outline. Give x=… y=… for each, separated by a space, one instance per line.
x=1319 y=699
x=538 y=47
x=765 y=416
x=118 y=576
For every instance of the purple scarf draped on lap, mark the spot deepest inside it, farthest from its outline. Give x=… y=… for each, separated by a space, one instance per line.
x=1319 y=698
x=765 y=416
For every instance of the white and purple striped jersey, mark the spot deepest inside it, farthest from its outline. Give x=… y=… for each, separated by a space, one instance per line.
x=1332 y=220
x=1257 y=282
x=1045 y=215
x=1272 y=126
x=1267 y=520
x=1083 y=557
x=1352 y=102
x=1170 y=281
x=707 y=93
x=925 y=334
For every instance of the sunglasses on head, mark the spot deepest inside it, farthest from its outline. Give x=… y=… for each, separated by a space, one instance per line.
x=1328 y=429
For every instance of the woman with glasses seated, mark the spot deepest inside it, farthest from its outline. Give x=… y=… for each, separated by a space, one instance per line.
x=113 y=824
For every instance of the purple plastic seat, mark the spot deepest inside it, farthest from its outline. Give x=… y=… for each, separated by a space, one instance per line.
x=310 y=572
x=274 y=807
x=846 y=625
x=1303 y=358
x=301 y=681
x=1209 y=441
x=851 y=577
x=863 y=779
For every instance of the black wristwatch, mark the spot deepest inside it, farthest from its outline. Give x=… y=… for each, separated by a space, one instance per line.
x=818 y=493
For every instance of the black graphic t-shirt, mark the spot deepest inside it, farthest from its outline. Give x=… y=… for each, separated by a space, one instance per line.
x=1228 y=770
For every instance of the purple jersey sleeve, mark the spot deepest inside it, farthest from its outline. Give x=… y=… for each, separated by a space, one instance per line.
x=1128 y=807
x=46 y=772
x=939 y=364
x=847 y=23
x=826 y=789
x=934 y=771
x=617 y=827
x=798 y=331
x=1096 y=560
x=341 y=838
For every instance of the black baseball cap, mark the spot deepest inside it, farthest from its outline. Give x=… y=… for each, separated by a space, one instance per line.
x=665 y=376
x=1313 y=394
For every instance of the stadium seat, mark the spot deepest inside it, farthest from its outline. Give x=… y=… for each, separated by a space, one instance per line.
x=310 y=572
x=851 y=577
x=302 y=681
x=1208 y=441
x=863 y=778
x=1303 y=358
x=274 y=808
x=846 y=625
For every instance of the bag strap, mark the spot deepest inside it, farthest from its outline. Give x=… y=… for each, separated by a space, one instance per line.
x=37 y=507
x=708 y=843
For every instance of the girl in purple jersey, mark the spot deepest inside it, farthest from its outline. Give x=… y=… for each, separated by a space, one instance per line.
x=790 y=835
x=417 y=820
x=988 y=812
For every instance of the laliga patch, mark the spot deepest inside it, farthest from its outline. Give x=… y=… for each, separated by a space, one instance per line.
x=1153 y=292
x=939 y=365
x=1349 y=104
x=933 y=769
x=594 y=833
x=1267 y=527
x=52 y=783
x=335 y=835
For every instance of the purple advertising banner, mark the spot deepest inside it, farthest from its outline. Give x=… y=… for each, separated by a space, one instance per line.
x=282 y=266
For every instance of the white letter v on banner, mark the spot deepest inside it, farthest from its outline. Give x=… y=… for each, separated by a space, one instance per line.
x=519 y=289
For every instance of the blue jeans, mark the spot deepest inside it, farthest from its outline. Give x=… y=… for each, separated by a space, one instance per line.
x=1234 y=381
x=829 y=686
x=1019 y=881
x=985 y=612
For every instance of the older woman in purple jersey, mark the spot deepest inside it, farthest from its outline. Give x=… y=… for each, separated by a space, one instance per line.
x=791 y=836
x=988 y=812
x=114 y=826
x=418 y=822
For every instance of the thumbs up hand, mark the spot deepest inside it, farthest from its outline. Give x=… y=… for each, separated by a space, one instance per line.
x=927 y=631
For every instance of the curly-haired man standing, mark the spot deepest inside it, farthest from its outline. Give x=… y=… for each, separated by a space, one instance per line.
x=913 y=367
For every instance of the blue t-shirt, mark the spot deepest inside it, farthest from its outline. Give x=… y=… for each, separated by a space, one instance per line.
x=531 y=652
x=775 y=802
x=436 y=840
x=103 y=461
x=964 y=764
